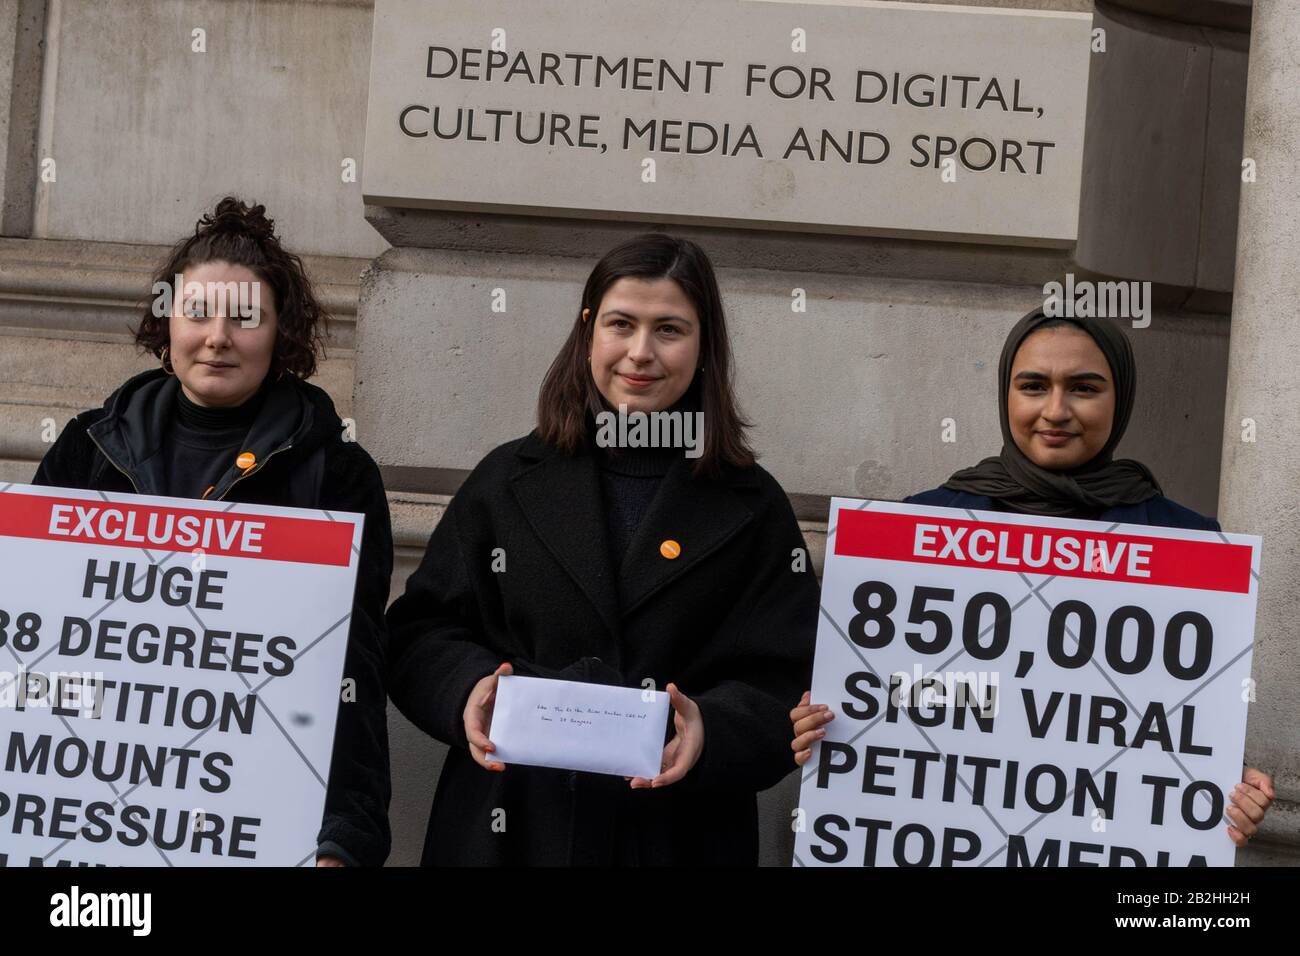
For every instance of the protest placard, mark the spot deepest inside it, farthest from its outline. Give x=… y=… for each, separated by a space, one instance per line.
x=1021 y=691
x=171 y=676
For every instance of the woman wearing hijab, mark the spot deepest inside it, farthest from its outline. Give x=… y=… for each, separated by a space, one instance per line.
x=562 y=557
x=1065 y=399
x=1066 y=392
x=229 y=416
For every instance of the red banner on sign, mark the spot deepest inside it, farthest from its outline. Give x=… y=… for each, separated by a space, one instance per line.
x=1038 y=549
x=155 y=527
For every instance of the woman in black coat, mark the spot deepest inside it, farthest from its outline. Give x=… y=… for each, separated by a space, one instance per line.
x=1066 y=391
x=229 y=416
x=563 y=557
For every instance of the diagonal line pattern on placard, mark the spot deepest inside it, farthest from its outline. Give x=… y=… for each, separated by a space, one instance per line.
x=122 y=796
x=1224 y=538
x=941 y=666
x=355 y=549
x=1033 y=592
x=28 y=665
x=1127 y=703
x=839 y=630
x=254 y=690
x=1123 y=750
x=63 y=720
x=861 y=507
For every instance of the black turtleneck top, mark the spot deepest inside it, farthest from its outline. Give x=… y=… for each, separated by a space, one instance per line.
x=629 y=480
x=202 y=443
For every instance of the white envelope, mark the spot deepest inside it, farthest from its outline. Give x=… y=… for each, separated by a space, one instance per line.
x=575 y=726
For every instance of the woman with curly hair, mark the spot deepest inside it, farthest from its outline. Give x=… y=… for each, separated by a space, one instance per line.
x=230 y=416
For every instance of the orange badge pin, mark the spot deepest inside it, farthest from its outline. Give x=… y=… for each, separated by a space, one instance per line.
x=670 y=549
x=246 y=461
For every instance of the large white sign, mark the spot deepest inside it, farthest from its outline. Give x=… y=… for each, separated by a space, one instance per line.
x=170 y=677
x=1019 y=691
x=885 y=118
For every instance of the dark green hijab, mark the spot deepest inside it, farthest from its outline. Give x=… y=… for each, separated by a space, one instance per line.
x=1093 y=487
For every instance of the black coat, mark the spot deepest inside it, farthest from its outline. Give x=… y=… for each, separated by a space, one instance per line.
x=731 y=621
x=298 y=440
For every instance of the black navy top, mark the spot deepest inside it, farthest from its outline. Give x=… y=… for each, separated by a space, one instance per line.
x=1158 y=510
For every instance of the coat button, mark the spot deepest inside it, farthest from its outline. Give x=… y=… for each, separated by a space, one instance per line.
x=670 y=549
x=246 y=461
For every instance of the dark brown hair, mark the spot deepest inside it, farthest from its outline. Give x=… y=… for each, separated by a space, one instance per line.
x=242 y=235
x=569 y=397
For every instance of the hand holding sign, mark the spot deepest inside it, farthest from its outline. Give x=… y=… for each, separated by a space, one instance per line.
x=810 y=722
x=1251 y=799
x=1083 y=738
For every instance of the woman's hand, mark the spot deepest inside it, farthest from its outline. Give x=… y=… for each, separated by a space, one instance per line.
x=1251 y=799
x=810 y=722
x=478 y=718
x=685 y=748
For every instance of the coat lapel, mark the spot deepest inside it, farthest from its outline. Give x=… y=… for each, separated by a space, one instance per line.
x=561 y=499
x=699 y=516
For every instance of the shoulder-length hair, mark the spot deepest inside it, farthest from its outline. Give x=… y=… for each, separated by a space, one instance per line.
x=569 y=397
x=242 y=235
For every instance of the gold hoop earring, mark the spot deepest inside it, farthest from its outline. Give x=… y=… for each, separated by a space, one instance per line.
x=165 y=367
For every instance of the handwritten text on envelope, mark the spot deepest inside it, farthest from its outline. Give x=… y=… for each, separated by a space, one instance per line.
x=576 y=726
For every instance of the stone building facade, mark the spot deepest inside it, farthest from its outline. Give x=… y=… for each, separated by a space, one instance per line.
x=120 y=122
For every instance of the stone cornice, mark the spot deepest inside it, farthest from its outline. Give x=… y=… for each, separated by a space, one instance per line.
x=99 y=288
